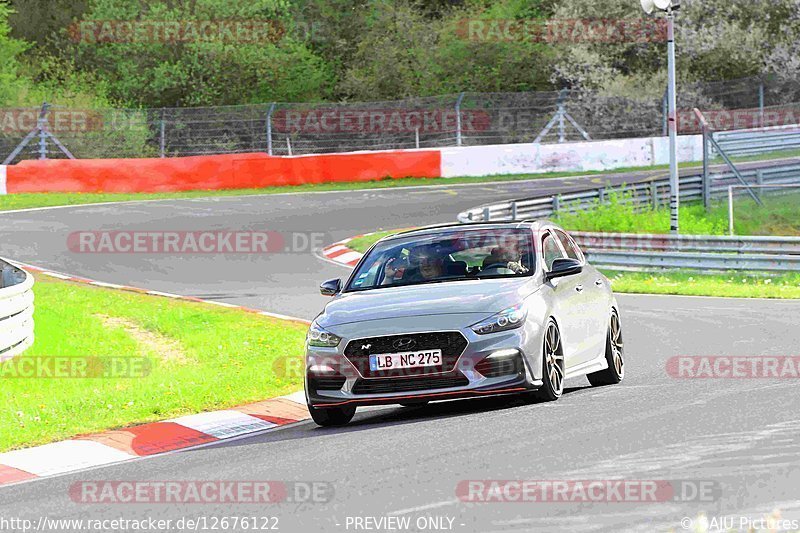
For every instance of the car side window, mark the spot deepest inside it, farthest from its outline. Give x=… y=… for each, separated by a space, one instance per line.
x=573 y=252
x=550 y=250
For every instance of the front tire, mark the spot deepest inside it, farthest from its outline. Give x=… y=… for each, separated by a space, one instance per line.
x=332 y=416
x=552 y=365
x=614 y=356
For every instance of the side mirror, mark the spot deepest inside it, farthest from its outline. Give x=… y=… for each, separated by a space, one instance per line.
x=564 y=267
x=331 y=287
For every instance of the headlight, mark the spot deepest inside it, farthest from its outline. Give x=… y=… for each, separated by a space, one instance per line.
x=510 y=318
x=319 y=337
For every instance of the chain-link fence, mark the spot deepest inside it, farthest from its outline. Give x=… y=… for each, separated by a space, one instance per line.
x=442 y=121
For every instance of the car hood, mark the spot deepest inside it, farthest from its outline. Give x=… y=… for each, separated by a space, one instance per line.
x=482 y=297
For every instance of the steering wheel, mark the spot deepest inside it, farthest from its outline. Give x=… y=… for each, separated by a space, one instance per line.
x=499 y=267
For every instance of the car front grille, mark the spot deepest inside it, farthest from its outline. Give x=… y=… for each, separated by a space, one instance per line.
x=387 y=385
x=451 y=343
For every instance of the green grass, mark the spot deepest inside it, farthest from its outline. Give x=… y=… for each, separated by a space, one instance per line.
x=362 y=244
x=729 y=285
x=203 y=358
x=778 y=216
x=29 y=200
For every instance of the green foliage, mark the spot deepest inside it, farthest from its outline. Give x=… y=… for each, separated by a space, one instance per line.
x=621 y=214
x=370 y=50
x=155 y=69
x=10 y=49
x=716 y=39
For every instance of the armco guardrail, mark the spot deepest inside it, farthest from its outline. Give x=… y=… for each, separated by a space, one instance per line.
x=739 y=143
x=16 y=310
x=664 y=251
x=654 y=192
x=698 y=261
x=691 y=251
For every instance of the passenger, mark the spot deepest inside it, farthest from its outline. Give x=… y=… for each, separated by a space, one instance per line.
x=509 y=257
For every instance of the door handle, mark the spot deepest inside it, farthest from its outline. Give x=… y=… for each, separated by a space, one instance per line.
x=599 y=282
x=579 y=288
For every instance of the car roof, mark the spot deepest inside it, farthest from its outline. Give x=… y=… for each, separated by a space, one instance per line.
x=534 y=225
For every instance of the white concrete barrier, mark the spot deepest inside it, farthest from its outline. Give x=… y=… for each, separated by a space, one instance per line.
x=16 y=311
x=567 y=157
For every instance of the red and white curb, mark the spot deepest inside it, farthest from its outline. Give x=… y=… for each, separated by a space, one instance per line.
x=339 y=252
x=145 y=440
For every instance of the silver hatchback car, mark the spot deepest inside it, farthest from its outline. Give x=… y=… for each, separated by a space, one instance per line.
x=462 y=311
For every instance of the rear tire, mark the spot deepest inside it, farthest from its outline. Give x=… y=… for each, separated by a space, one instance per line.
x=332 y=416
x=552 y=365
x=614 y=356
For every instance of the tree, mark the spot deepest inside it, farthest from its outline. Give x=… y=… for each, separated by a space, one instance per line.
x=11 y=85
x=199 y=52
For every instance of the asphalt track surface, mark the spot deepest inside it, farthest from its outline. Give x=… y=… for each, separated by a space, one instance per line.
x=742 y=435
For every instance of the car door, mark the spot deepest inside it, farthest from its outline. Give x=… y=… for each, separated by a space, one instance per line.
x=568 y=303
x=595 y=299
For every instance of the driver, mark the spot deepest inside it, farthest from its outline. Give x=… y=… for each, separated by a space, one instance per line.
x=426 y=264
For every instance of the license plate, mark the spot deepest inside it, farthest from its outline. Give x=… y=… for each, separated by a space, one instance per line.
x=390 y=361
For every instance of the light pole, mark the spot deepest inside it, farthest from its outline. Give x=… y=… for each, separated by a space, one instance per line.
x=669 y=7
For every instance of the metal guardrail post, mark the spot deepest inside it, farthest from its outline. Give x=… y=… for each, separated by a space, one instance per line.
x=759 y=181
x=558 y=118
x=514 y=211
x=487 y=216
x=44 y=133
x=42 y=125
x=601 y=195
x=706 y=179
x=269 y=128
x=654 y=194
x=556 y=203
x=730 y=210
x=162 y=138
x=458 y=119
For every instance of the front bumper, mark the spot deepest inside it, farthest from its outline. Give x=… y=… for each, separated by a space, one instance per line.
x=335 y=379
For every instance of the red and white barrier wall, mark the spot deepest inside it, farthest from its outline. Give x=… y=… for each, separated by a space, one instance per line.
x=567 y=157
x=258 y=170
x=237 y=171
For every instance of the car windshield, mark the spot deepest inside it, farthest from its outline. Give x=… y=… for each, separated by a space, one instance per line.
x=453 y=255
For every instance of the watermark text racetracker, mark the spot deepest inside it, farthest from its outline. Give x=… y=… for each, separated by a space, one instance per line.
x=734 y=367
x=587 y=491
x=574 y=31
x=194 y=242
x=75 y=367
x=209 y=492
